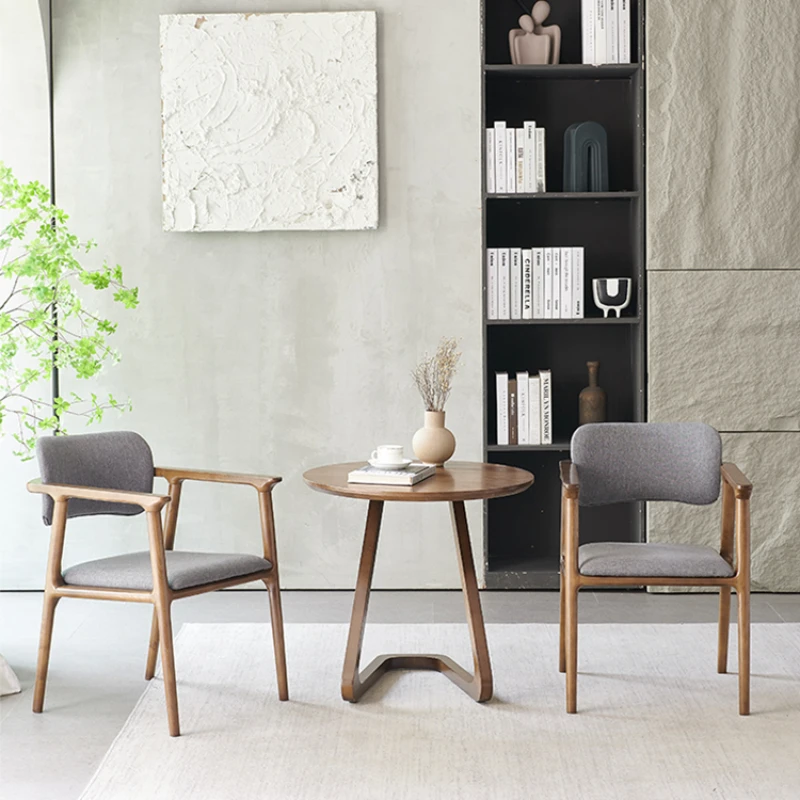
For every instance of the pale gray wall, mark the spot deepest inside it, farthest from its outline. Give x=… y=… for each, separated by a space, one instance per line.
x=276 y=352
x=724 y=256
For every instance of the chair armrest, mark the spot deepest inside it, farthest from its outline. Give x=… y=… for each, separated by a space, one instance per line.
x=60 y=491
x=570 y=483
x=736 y=479
x=261 y=483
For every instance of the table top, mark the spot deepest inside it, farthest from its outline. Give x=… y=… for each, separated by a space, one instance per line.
x=458 y=480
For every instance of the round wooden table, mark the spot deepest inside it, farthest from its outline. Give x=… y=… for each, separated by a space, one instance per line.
x=455 y=483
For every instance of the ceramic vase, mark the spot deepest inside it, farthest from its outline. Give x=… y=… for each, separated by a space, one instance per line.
x=592 y=400
x=433 y=443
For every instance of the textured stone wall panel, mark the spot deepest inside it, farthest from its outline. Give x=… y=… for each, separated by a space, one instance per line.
x=722 y=348
x=770 y=461
x=723 y=131
x=269 y=121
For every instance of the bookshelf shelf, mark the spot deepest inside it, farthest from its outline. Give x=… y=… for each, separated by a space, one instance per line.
x=585 y=321
x=594 y=196
x=562 y=71
x=521 y=533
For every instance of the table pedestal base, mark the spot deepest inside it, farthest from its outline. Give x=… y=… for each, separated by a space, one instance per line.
x=354 y=682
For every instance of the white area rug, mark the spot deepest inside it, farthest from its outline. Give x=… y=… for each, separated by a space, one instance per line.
x=655 y=721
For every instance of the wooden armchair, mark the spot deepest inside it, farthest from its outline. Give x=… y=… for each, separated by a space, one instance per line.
x=627 y=462
x=112 y=473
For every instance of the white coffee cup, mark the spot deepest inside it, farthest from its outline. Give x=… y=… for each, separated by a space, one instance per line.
x=388 y=454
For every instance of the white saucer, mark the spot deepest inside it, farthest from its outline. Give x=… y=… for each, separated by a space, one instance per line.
x=393 y=465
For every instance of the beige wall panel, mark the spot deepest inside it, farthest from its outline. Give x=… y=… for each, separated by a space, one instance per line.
x=770 y=461
x=723 y=131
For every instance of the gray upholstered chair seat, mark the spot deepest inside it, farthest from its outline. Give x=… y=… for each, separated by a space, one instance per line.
x=624 y=559
x=184 y=570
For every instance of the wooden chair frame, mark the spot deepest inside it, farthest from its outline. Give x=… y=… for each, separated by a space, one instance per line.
x=734 y=548
x=161 y=539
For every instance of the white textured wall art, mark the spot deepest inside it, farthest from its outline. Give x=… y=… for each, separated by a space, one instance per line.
x=269 y=121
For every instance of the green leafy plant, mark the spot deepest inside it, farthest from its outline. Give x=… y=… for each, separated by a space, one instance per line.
x=43 y=320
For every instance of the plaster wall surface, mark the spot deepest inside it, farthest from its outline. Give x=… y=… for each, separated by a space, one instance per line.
x=278 y=351
x=723 y=196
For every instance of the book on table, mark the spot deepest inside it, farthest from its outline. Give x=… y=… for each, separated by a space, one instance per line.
x=413 y=473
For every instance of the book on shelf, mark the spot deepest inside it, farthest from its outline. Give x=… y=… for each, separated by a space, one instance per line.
x=516 y=283
x=527 y=284
x=511 y=160
x=556 y=283
x=500 y=144
x=548 y=283
x=492 y=289
x=504 y=283
x=501 y=388
x=412 y=474
x=515 y=158
x=577 y=283
x=491 y=187
x=520 y=151
x=534 y=283
x=524 y=408
x=546 y=413
x=534 y=410
x=606 y=31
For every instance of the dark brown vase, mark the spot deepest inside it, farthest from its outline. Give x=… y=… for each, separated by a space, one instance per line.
x=592 y=400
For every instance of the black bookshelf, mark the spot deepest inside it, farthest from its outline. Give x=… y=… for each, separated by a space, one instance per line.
x=521 y=533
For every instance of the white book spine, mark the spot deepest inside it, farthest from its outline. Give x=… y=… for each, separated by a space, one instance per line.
x=541 y=162
x=523 y=404
x=511 y=160
x=548 y=283
x=587 y=30
x=490 y=184
x=530 y=157
x=500 y=154
x=501 y=379
x=492 y=286
x=516 y=283
x=556 y=283
x=577 y=282
x=546 y=395
x=504 y=283
x=612 y=31
x=624 y=31
x=520 y=160
x=534 y=410
x=600 y=40
x=527 y=284
x=566 y=283
x=538 y=283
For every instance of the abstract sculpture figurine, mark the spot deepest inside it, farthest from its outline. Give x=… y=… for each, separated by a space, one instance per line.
x=585 y=158
x=533 y=42
x=611 y=294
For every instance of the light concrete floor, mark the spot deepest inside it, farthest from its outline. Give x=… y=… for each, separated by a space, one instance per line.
x=98 y=656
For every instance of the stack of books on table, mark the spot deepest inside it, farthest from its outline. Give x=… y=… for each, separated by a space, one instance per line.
x=535 y=283
x=606 y=31
x=413 y=473
x=524 y=408
x=515 y=159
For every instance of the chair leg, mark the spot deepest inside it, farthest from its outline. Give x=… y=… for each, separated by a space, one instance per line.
x=163 y=613
x=571 y=624
x=562 y=654
x=724 y=628
x=45 y=638
x=743 y=599
x=152 y=650
x=276 y=615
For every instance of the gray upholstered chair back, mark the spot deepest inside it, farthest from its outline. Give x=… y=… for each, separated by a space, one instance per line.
x=621 y=462
x=118 y=460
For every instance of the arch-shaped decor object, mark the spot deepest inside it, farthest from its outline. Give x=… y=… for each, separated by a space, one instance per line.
x=585 y=158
